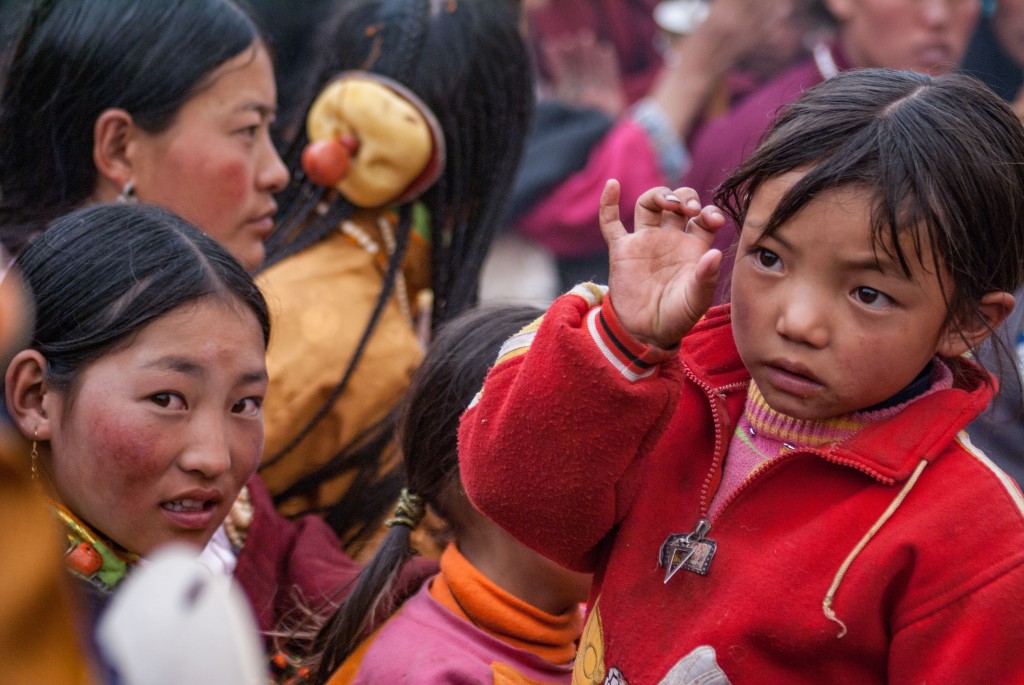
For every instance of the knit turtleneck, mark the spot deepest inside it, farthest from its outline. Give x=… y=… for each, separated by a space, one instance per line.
x=466 y=592
x=764 y=435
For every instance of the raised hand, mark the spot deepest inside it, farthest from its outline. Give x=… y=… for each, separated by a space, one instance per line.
x=662 y=276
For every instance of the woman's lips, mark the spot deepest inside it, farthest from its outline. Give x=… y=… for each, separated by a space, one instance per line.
x=935 y=57
x=191 y=512
x=263 y=226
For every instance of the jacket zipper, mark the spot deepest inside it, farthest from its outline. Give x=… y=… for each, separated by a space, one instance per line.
x=716 y=399
x=768 y=466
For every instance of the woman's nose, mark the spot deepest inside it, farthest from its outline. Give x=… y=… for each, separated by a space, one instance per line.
x=208 y=451
x=272 y=175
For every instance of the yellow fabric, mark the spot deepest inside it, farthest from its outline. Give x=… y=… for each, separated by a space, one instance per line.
x=589 y=667
x=506 y=675
x=320 y=302
x=38 y=643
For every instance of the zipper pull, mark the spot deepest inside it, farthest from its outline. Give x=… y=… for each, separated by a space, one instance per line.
x=691 y=551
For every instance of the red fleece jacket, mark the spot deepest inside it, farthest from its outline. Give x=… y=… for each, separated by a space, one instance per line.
x=596 y=470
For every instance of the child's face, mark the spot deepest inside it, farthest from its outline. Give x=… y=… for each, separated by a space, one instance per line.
x=155 y=440
x=824 y=327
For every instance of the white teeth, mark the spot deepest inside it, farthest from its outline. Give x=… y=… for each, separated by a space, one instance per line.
x=184 y=505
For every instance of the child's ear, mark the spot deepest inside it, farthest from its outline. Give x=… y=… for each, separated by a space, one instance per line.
x=992 y=310
x=111 y=135
x=29 y=401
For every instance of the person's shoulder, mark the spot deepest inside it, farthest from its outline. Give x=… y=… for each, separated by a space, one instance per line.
x=975 y=471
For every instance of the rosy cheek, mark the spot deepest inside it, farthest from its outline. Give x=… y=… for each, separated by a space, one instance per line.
x=127 y=451
x=249 y=458
x=233 y=183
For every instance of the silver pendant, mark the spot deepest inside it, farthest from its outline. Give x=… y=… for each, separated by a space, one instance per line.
x=690 y=551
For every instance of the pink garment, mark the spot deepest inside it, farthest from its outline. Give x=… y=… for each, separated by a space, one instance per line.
x=426 y=643
x=763 y=435
x=565 y=222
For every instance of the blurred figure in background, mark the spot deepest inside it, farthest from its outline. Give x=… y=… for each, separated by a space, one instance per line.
x=39 y=642
x=996 y=56
x=618 y=107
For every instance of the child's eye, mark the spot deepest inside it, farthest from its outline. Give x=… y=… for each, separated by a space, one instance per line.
x=871 y=297
x=767 y=259
x=250 y=406
x=169 y=400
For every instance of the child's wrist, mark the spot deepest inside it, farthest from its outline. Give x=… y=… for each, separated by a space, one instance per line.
x=644 y=349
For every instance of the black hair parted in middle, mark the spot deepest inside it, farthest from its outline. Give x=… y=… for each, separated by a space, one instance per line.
x=99 y=275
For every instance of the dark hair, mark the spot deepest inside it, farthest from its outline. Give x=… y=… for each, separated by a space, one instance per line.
x=468 y=63
x=452 y=372
x=943 y=159
x=99 y=275
x=466 y=60
x=73 y=59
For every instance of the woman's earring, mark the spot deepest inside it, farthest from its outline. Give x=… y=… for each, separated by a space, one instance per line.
x=34 y=456
x=127 y=196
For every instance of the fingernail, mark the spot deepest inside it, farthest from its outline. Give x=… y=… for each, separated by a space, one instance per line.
x=717 y=215
x=671 y=198
x=693 y=204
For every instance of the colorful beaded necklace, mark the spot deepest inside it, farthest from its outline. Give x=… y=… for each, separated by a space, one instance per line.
x=90 y=557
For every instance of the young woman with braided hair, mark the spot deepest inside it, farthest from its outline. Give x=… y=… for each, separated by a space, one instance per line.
x=412 y=135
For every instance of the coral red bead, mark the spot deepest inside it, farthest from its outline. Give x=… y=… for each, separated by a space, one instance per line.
x=84 y=559
x=326 y=162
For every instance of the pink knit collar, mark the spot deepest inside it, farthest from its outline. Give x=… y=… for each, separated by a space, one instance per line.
x=768 y=423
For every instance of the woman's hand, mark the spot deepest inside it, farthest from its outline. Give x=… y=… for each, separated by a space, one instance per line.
x=663 y=275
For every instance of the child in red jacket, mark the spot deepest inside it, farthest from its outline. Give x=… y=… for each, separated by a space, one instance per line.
x=779 y=490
